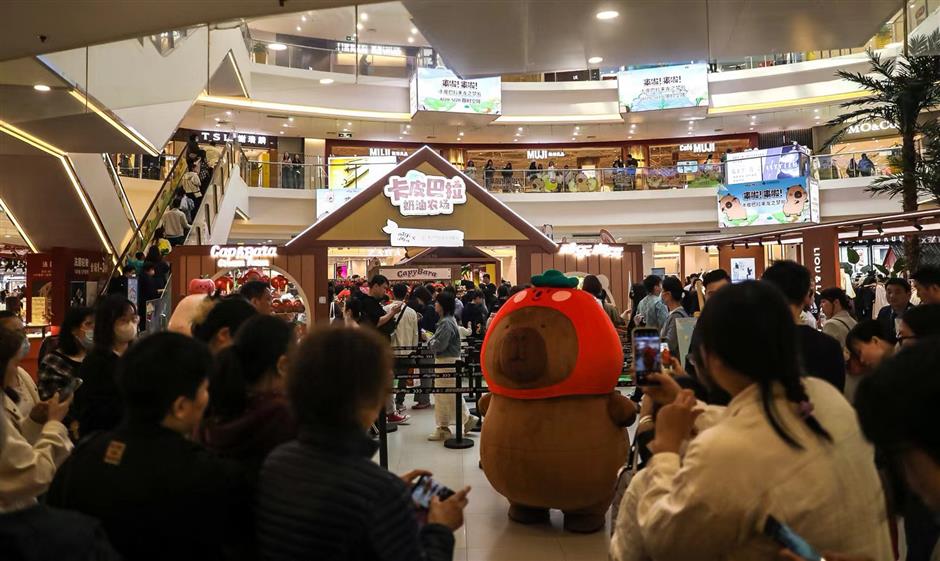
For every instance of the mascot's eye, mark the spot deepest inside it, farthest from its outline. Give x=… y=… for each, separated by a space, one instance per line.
x=728 y=205
x=798 y=195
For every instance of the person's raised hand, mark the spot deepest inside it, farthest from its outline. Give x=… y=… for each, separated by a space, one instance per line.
x=410 y=477
x=58 y=409
x=665 y=389
x=674 y=423
x=449 y=513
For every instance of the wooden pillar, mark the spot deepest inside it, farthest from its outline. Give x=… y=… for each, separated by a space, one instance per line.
x=821 y=256
x=320 y=304
x=524 y=263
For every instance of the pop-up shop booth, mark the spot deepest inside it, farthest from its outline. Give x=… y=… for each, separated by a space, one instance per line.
x=425 y=207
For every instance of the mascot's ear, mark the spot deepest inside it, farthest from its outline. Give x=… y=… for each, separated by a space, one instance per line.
x=554 y=278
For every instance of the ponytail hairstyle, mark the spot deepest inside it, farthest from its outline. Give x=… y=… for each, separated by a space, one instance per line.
x=750 y=327
x=259 y=343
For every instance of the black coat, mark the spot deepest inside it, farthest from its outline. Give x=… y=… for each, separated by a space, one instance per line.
x=98 y=404
x=39 y=533
x=322 y=497
x=158 y=495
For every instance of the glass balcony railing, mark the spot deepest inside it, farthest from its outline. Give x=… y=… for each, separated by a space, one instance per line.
x=586 y=180
x=144 y=166
x=355 y=60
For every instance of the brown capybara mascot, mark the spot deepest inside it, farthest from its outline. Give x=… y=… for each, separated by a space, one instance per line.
x=554 y=435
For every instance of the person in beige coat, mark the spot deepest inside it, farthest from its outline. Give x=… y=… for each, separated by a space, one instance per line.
x=785 y=446
x=36 y=443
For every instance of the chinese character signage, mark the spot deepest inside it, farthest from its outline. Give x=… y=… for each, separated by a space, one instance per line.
x=418 y=194
x=669 y=87
x=768 y=203
x=782 y=162
x=419 y=237
x=246 y=139
x=440 y=90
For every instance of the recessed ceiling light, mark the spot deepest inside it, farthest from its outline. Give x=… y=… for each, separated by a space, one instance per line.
x=359 y=26
x=414 y=30
x=577 y=128
x=460 y=133
x=229 y=113
x=752 y=128
x=282 y=132
x=291 y=119
x=572 y=138
x=519 y=129
x=816 y=110
x=629 y=137
x=218 y=125
x=411 y=39
x=577 y=133
x=517 y=134
x=349 y=124
x=400 y=137
x=364 y=16
x=345 y=130
x=515 y=140
x=606 y=14
x=298 y=28
x=277 y=47
x=217 y=119
x=407 y=126
x=41 y=88
x=595 y=60
x=326 y=81
x=303 y=18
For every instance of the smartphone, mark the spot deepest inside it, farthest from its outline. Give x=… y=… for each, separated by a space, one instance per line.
x=69 y=389
x=425 y=488
x=64 y=392
x=647 y=354
x=785 y=536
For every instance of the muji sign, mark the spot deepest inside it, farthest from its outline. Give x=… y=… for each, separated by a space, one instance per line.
x=418 y=194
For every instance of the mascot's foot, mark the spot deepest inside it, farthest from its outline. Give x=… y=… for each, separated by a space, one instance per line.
x=584 y=522
x=528 y=514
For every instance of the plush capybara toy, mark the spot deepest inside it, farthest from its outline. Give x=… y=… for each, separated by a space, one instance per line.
x=554 y=435
x=796 y=200
x=732 y=207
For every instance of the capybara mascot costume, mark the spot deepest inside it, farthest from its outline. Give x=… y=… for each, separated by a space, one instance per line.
x=555 y=434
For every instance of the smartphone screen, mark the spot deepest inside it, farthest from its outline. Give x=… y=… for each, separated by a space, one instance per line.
x=789 y=539
x=69 y=389
x=647 y=354
x=425 y=489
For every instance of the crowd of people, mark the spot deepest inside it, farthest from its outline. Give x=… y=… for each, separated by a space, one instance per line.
x=236 y=439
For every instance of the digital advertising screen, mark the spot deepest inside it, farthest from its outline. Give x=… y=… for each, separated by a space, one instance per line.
x=358 y=172
x=440 y=90
x=668 y=87
x=768 y=203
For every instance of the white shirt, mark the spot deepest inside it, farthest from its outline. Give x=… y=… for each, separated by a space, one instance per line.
x=714 y=502
x=406 y=333
x=174 y=223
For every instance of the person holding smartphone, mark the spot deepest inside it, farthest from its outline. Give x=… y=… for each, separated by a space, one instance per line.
x=321 y=496
x=785 y=446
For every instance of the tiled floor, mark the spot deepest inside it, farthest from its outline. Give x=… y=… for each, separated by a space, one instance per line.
x=488 y=534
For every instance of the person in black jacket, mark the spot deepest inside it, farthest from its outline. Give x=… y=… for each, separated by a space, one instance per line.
x=97 y=405
x=158 y=494
x=820 y=355
x=321 y=496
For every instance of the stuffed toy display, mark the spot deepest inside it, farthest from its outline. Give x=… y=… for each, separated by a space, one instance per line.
x=555 y=431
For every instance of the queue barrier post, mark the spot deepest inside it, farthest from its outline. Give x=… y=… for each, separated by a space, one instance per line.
x=459 y=442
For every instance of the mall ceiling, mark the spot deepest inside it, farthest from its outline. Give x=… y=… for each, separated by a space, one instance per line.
x=486 y=37
x=31 y=27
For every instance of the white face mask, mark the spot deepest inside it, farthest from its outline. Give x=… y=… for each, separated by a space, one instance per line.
x=87 y=339
x=125 y=332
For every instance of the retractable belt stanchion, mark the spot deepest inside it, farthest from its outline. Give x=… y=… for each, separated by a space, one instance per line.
x=458 y=442
x=383 y=440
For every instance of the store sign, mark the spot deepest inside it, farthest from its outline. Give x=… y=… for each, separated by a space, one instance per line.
x=228 y=257
x=243 y=138
x=84 y=267
x=418 y=194
x=543 y=154
x=417 y=237
x=669 y=87
x=344 y=135
x=387 y=152
x=417 y=273
x=698 y=147
x=867 y=128
x=440 y=90
x=581 y=251
x=384 y=50
x=767 y=203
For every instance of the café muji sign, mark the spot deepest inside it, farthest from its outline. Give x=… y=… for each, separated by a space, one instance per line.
x=418 y=194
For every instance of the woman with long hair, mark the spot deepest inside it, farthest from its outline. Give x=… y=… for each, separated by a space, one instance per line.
x=98 y=405
x=248 y=414
x=786 y=447
x=76 y=338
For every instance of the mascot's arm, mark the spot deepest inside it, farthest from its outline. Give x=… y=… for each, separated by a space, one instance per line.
x=484 y=403
x=622 y=411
